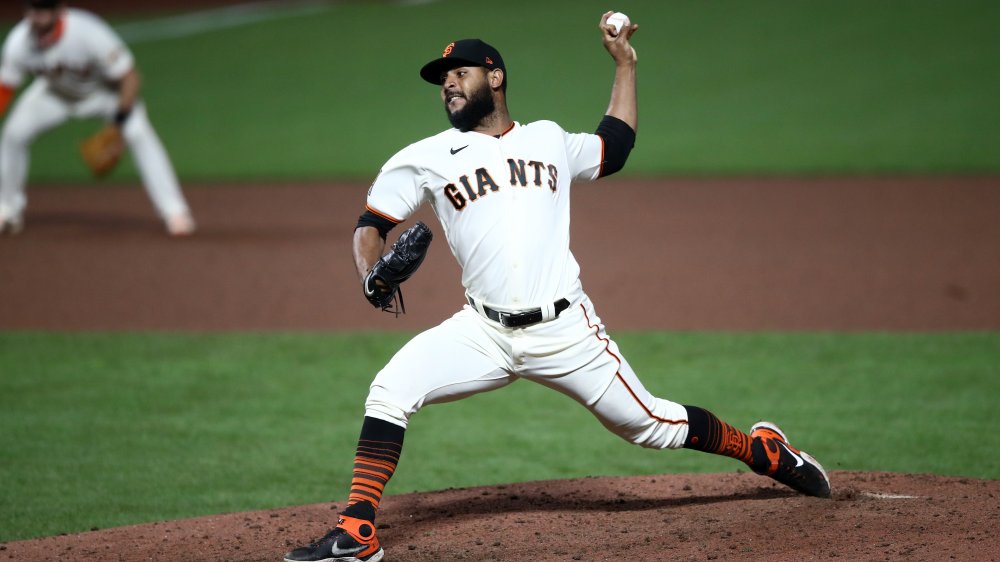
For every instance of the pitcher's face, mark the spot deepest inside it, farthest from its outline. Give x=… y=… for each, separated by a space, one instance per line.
x=43 y=20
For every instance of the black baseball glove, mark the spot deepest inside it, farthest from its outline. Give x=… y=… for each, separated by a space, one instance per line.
x=382 y=282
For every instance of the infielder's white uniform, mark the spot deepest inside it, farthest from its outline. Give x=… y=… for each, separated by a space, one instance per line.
x=504 y=204
x=73 y=78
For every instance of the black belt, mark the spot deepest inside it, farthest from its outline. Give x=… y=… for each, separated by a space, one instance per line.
x=519 y=319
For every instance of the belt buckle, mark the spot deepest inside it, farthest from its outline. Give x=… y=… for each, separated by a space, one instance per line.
x=503 y=316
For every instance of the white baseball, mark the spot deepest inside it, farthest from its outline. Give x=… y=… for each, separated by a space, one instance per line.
x=618 y=20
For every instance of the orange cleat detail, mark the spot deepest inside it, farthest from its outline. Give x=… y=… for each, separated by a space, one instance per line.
x=775 y=457
x=352 y=540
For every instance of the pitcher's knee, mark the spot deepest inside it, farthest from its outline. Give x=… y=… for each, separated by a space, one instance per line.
x=654 y=423
x=15 y=136
x=654 y=434
x=383 y=405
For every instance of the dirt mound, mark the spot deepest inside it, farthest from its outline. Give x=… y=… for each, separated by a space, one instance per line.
x=734 y=516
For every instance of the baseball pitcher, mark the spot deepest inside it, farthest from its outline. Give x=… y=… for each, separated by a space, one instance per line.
x=501 y=190
x=82 y=69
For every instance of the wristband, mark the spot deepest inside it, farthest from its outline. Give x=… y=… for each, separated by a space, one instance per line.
x=121 y=116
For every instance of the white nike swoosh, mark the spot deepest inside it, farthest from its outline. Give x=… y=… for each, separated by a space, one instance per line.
x=798 y=460
x=337 y=551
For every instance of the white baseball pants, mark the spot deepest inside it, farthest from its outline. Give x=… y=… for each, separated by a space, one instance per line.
x=468 y=354
x=38 y=110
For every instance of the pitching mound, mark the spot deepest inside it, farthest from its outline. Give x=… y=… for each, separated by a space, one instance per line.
x=741 y=516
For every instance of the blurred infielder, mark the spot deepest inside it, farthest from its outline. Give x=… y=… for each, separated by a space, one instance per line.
x=501 y=190
x=82 y=69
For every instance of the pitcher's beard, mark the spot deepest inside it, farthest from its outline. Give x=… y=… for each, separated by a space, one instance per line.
x=477 y=107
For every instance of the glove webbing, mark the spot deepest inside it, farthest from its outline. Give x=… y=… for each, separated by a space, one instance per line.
x=396 y=306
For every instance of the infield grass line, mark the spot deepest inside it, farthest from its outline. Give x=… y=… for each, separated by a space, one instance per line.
x=204 y=21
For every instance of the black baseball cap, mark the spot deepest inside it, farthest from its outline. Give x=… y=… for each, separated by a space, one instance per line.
x=43 y=4
x=464 y=52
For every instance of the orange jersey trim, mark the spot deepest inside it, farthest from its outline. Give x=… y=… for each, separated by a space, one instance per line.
x=509 y=129
x=600 y=171
x=389 y=218
x=56 y=34
x=6 y=95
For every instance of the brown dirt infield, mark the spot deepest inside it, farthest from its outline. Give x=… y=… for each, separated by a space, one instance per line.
x=684 y=254
x=736 y=254
x=650 y=518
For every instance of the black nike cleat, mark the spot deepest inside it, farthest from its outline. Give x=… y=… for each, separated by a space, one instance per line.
x=786 y=464
x=352 y=540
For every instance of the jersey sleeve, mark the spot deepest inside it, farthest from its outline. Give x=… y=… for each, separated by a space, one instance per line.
x=398 y=190
x=585 y=154
x=113 y=57
x=12 y=72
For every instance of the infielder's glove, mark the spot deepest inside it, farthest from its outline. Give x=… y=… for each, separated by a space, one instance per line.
x=102 y=150
x=382 y=282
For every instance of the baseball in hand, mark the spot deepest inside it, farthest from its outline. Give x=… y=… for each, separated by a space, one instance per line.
x=618 y=20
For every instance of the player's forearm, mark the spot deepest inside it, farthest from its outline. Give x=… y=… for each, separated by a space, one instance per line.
x=128 y=93
x=367 y=247
x=624 y=101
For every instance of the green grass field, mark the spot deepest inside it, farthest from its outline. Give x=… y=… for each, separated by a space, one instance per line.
x=103 y=430
x=772 y=87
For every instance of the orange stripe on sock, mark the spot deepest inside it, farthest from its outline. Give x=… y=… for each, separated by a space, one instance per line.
x=363 y=496
x=372 y=468
x=372 y=471
x=379 y=455
x=734 y=443
x=373 y=461
x=370 y=482
x=367 y=475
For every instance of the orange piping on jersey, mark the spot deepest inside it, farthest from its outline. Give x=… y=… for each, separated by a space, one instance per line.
x=55 y=35
x=509 y=129
x=383 y=215
x=607 y=348
x=6 y=94
x=600 y=172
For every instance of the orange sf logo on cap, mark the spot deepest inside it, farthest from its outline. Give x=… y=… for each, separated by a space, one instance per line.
x=489 y=60
x=448 y=49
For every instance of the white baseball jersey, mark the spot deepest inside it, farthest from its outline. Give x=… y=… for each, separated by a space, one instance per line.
x=504 y=204
x=87 y=56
